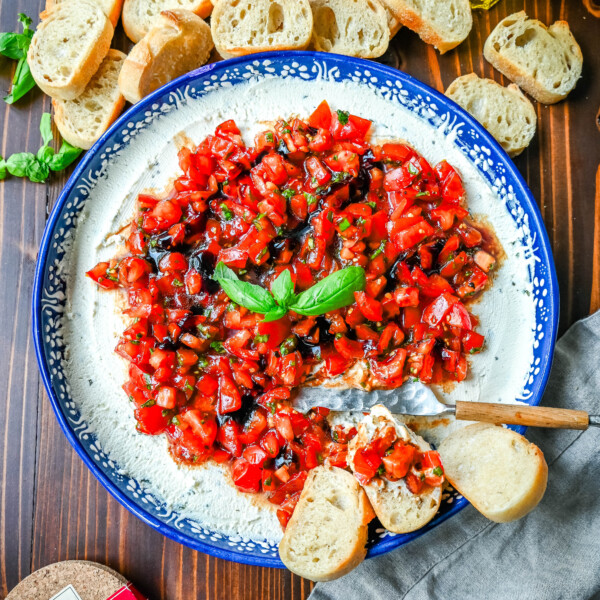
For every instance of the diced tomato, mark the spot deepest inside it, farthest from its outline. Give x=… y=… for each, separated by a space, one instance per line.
x=321 y=117
x=398 y=461
x=228 y=436
x=369 y=307
x=472 y=342
x=151 y=419
x=391 y=369
x=414 y=483
x=348 y=348
x=229 y=396
x=435 y=312
x=246 y=476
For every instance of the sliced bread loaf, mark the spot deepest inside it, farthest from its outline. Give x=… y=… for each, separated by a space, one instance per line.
x=178 y=42
x=544 y=61
x=504 y=111
x=83 y=120
x=241 y=27
x=111 y=8
x=497 y=470
x=442 y=23
x=138 y=15
x=350 y=27
x=326 y=536
x=398 y=509
x=68 y=47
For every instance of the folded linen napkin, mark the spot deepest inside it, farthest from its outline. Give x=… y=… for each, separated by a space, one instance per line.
x=552 y=553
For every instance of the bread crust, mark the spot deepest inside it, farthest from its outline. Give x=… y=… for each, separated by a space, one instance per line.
x=113 y=14
x=86 y=69
x=383 y=495
x=429 y=34
x=135 y=30
x=355 y=555
x=519 y=75
x=140 y=70
x=520 y=506
x=61 y=107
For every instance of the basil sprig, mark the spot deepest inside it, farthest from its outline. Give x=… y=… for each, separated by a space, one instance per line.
x=15 y=46
x=332 y=292
x=37 y=167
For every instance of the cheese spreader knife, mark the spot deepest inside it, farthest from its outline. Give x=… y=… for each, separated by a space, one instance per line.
x=416 y=399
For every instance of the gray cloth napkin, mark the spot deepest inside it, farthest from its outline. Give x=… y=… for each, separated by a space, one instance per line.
x=554 y=552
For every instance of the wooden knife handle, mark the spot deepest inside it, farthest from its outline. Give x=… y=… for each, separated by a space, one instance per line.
x=511 y=414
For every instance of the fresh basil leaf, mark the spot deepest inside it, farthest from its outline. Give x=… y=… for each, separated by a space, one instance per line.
x=14 y=45
x=45 y=154
x=64 y=157
x=38 y=172
x=46 y=128
x=283 y=288
x=22 y=82
x=26 y=22
x=3 y=170
x=275 y=315
x=20 y=164
x=253 y=297
x=333 y=292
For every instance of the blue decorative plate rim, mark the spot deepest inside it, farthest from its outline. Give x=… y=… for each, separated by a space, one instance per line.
x=220 y=545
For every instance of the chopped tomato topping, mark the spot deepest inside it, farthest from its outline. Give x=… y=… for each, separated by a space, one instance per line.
x=308 y=197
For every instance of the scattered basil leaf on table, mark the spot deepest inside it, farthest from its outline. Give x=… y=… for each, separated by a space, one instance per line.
x=64 y=157
x=15 y=46
x=37 y=167
x=332 y=292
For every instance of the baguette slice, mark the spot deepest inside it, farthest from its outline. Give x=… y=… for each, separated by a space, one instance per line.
x=497 y=470
x=139 y=15
x=350 y=27
x=394 y=24
x=244 y=27
x=68 y=47
x=178 y=42
x=442 y=23
x=398 y=509
x=83 y=120
x=326 y=536
x=544 y=61
x=504 y=111
x=111 y=8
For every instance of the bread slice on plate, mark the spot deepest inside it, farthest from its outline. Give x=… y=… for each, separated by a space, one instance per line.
x=139 y=15
x=441 y=23
x=546 y=62
x=326 y=536
x=502 y=474
x=504 y=111
x=111 y=8
x=355 y=28
x=398 y=509
x=241 y=27
x=83 y=120
x=68 y=47
x=178 y=42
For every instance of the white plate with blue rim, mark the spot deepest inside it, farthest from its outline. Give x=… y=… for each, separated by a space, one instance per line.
x=519 y=314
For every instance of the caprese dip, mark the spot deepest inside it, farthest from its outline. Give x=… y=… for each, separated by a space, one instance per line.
x=310 y=250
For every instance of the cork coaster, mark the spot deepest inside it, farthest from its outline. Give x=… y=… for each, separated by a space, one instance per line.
x=90 y=580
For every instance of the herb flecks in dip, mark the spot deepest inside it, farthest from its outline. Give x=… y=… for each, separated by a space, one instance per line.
x=311 y=199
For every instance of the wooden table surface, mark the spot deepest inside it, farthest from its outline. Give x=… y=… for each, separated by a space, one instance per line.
x=52 y=508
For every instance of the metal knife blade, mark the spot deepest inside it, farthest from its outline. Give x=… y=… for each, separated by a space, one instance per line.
x=412 y=398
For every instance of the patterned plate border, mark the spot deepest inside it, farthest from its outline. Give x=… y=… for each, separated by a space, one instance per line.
x=50 y=284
